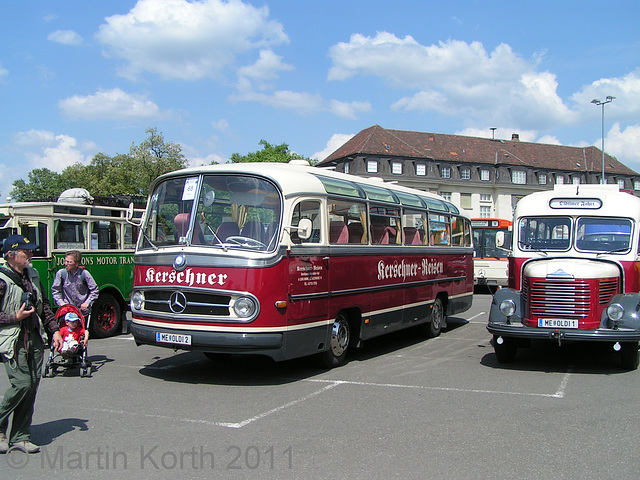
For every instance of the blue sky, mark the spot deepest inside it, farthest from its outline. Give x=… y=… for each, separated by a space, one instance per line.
x=80 y=77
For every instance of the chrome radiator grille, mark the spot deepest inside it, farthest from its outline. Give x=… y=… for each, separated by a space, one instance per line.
x=553 y=298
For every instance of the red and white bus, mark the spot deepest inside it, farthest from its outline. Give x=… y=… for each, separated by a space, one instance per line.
x=289 y=260
x=574 y=273
x=491 y=246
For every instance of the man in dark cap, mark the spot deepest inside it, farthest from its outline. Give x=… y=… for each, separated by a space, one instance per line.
x=25 y=317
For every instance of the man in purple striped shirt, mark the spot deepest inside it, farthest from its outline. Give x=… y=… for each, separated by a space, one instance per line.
x=74 y=284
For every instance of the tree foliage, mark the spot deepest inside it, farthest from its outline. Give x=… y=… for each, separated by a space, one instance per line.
x=127 y=174
x=269 y=153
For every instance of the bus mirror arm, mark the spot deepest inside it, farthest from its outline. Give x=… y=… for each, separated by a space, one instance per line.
x=304 y=228
x=129 y=216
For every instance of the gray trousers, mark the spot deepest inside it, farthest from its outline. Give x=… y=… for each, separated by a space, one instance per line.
x=24 y=376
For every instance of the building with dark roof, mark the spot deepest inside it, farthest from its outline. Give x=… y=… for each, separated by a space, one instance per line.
x=484 y=177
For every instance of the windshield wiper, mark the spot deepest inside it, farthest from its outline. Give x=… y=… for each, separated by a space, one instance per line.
x=206 y=224
x=146 y=237
x=531 y=247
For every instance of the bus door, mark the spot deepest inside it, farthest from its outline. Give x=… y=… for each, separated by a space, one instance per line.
x=308 y=267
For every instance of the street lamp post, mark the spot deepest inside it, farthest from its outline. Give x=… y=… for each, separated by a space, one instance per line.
x=597 y=101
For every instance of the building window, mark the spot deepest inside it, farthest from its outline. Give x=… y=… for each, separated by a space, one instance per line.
x=519 y=177
x=396 y=168
x=485 y=197
x=575 y=180
x=559 y=180
x=446 y=196
x=636 y=184
x=445 y=172
x=542 y=179
x=484 y=175
x=465 y=173
x=485 y=211
x=346 y=167
x=421 y=169
x=465 y=201
x=621 y=183
x=372 y=166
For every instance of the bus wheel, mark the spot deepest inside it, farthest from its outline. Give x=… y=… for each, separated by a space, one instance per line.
x=505 y=349
x=630 y=359
x=105 y=316
x=432 y=328
x=336 y=354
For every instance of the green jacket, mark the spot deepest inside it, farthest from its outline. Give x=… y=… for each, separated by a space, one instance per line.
x=11 y=303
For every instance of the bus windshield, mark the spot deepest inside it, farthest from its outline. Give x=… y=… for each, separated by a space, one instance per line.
x=227 y=211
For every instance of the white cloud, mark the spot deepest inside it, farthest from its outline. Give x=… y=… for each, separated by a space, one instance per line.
x=334 y=143
x=457 y=78
x=45 y=149
x=187 y=39
x=3 y=71
x=112 y=104
x=264 y=70
x=221 y=124
x=302 y=102
x=65 y=37
x=624 y=145
x=626 y=89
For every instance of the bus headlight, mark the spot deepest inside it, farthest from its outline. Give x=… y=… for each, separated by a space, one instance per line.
x=508 y=307
x=245 y=307
x=137 y=300
x=615 y=311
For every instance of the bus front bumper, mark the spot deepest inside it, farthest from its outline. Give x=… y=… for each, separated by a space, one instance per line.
x=215 y=342
x=559 y=334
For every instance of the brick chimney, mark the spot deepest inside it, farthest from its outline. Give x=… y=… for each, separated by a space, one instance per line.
x=515 y=137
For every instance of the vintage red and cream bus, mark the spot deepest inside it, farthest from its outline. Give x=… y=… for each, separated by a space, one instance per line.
x=491 y=246
x=574 y=273
x=290 y=260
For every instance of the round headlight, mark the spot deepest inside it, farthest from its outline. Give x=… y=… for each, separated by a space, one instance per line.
x=615 y=311
x=245 y=307
x=137 y=300
x=508 y=307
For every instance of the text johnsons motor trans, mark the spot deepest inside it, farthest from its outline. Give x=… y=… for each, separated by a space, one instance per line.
x=290 y=260
x=574 y=274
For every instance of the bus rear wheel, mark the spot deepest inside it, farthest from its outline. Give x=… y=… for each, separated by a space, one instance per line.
x=433 y=327
x=336 y=354
x=105 y=316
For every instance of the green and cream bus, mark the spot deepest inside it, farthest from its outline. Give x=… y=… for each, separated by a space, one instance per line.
x=98 y=228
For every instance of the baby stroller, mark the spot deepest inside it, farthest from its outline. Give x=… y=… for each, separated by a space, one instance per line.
x=77 y=358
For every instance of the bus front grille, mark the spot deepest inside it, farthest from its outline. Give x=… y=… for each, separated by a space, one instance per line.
x=557 y=299
x=190 y=303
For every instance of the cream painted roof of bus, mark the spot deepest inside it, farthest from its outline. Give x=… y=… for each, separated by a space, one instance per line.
x=615 y=202
x=296 y=178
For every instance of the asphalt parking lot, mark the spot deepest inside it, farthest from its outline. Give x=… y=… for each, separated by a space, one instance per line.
x=402 y=407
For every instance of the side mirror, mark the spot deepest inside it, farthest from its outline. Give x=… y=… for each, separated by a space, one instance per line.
x=304 y=229
x=499 y=239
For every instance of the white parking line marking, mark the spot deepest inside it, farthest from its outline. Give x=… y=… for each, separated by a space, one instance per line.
x=558 y=394
x=240 y=424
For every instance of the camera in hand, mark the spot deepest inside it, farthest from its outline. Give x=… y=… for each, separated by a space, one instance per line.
x=26 y=299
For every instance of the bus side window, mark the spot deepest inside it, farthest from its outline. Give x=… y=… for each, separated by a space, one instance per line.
x=346 y=220
x=413 y=229
x=38 y=233
x=69 y=234
x=439 y=229
x=104 y=235
x=309 y=209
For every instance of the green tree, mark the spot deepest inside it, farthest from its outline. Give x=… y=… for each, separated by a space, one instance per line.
x=269 y=153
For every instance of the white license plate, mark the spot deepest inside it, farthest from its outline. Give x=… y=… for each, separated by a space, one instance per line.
x=173 y=338
x=557 y=323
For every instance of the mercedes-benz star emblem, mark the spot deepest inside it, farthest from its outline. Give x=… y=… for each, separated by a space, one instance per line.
x=177 y=302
